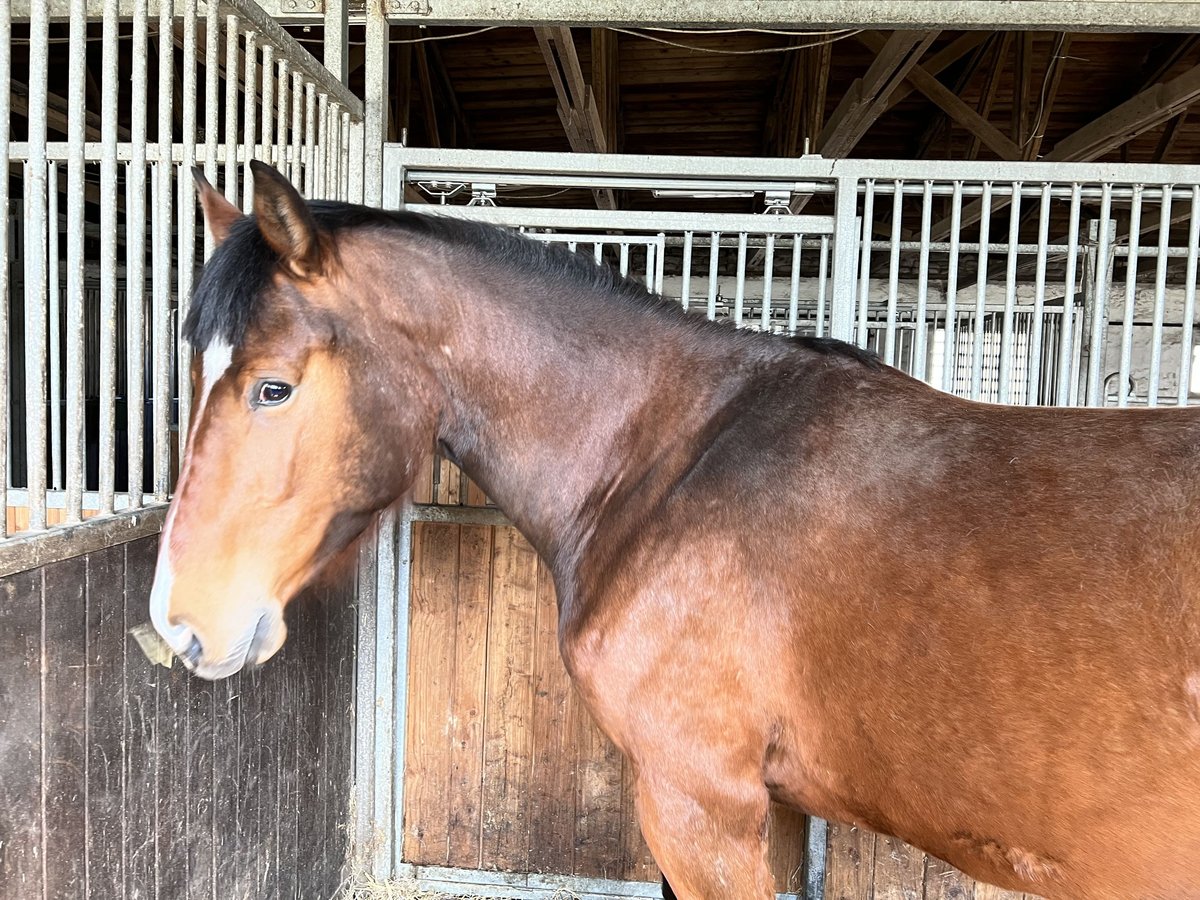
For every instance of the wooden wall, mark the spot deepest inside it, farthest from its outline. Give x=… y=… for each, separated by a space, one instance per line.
x=505 y=770
x=121 y=779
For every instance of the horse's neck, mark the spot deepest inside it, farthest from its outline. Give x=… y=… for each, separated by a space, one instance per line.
x=562 y=408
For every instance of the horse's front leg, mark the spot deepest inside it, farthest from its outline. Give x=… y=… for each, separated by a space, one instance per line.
x=708 y=834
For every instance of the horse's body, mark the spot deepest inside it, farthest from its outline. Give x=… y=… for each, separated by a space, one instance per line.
x=784 y=571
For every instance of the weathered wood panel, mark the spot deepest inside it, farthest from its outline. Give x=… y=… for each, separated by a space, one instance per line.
x=506 y=771
x=123 y=780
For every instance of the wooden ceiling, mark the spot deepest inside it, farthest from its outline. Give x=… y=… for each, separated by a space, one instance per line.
x=911 y=95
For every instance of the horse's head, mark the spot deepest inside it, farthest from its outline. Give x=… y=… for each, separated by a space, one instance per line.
x=297 y=439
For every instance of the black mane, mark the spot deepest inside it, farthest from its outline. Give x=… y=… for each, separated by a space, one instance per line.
x=229 y=296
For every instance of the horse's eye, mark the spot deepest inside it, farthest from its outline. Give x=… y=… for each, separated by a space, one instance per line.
x=272 y=393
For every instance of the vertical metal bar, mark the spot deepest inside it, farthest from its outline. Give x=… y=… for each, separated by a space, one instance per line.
x=740 y=288
x=135 y=258
x=108 y=255
x=162 y=256
x=845 y=257
x=864 y=275
x=231 y=109
x=375 y=102
x=35 y=269
x=624 y=263
x=1160 y=295
x=5 y=380
x=186 y=254
x=981 y=293
x=268 y=105
x=54 y=297
x=598 y=252
x=403 y=594
x=1099 y=297
x=337 y=35
x=1131 y=267
x=822 y=281
x=1007 y=338
x=768 y=275
x=322 y=145
x=815 y=851
x=1033 y=394
x=685 y=286
x=714 y=250
x=386 y=603
x=889 y=343
x=365 y=702
x=921 y=336
x=297 y=163
x=281 y=160
x=310 y=138
x=76 y=331
x=212 y=109
x=794 y=286
x=1189 y=300
x=950 y=351
x=249 y=118
x=347 y=133
x=1065 y=395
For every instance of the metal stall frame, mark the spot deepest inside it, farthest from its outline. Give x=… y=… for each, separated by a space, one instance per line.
x=156 y=171
x=383 y=653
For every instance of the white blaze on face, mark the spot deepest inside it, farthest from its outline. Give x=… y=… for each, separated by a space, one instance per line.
x=216 y=361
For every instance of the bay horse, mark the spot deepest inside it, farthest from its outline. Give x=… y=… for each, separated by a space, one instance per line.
x=784 y=570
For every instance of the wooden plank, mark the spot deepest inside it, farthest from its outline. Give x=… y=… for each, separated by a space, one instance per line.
x=509 y=700
x=289 y=711
x=1169 y=136
x=200 y=824
x=339 y=707
x=990 y=892
x=606 y=84
x=944 y=882
x=599 y=800
x=142 y=757
x=310 y=644
x=20 y=735
x=172 y=841
x=850 y=863
x=227 y=784
x=938 y=123
x=637 y=863
x=272 y=685
x=552 y=795
x=468 y=695
x=1022 y=113
x=106 y=718
x=64 y=726
x=899 y=870
x=431 y=664
x=786 y=854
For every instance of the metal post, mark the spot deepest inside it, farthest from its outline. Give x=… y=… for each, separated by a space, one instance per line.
x=337 y=37
x=5 y=104
x=845 y=259
x=375 y=106
x=35 y=269
x=402 y=594
x=108 y=255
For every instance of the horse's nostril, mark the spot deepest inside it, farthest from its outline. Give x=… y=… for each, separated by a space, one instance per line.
x=193 y=653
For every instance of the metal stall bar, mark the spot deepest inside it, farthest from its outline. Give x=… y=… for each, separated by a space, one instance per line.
x=864 y=275
x=950 y=352
x=135 y=259
x=714 y=249
x=822 y=280
x=249 y=117
x=212 y=109
x=1189 y=302
x=1102 y=267
x=161 y=256
x=1131 y=264
x=739 y=297
x=5 y=350
x=186 y=253
x=54 y=299
x=1007 y=338
x=1066 y=394
x=36 y=281
x=310 y=139
x=980 y=297
x=794 y=290
x=768 y=275
x=108 y=256
x=685 y=288
x=1160 y=298
x=268 y=105
x=920 y=348
x=1033 y=393
x=889 y=342
x=295 y=169
x=281 y=149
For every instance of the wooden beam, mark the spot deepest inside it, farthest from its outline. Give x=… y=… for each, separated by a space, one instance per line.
x=1022 y=88
x=401 y=86
x=938 y=122
x=1169 y=136
x=953 y=106
x=1147 y=110
x=867 y=98
x=428 y=106
x=785 y=115
x=1184 y=44
x=606 y=84
x=942 y=60
x=990 y=89
x=576 y=102
x=1055 y=65
x=445 y=87
x=57 y=113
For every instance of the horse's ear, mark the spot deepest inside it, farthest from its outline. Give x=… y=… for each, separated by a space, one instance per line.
x=219 y=213
x=285 y=221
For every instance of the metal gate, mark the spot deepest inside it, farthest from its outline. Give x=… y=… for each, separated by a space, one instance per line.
x=1023 y=283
